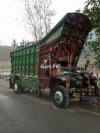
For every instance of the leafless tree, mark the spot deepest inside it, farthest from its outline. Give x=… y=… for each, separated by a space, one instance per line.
x=39 y=16
x=14 y=43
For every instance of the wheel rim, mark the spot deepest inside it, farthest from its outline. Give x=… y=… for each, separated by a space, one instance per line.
x=58 y=97
x=16 y=87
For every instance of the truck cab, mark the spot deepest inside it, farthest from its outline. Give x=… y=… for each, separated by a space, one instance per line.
x=58 y=70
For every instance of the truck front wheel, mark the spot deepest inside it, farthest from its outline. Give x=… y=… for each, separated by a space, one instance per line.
x=59 y=97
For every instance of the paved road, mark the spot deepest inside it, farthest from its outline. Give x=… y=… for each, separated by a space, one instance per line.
x=29 y=114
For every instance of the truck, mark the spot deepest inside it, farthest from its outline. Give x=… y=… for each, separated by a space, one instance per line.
x=49 y=66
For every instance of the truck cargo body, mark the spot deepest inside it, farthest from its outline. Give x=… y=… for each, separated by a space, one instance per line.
x=51 y=64
x=24 y=64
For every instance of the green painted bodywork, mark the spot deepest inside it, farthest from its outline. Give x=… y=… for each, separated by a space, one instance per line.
x=25 y=63
x=32 y=84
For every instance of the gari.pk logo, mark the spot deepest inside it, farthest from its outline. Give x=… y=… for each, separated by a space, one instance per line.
x=53 y=66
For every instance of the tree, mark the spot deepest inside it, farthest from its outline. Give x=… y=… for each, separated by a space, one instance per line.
x=39 y=16
x=92 y=10
x=23 y=43
x=78 y=11
x=14 y=43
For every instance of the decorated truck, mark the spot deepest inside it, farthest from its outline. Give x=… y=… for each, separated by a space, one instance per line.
x=49 y=66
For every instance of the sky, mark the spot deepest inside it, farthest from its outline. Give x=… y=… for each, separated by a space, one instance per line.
x=12 y=22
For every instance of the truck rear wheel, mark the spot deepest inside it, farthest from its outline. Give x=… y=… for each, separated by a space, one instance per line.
x=39 y=93
x=59 y=97
x=17 y=88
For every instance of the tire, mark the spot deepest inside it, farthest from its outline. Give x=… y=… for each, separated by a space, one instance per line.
x=59 y=97
x=39 y=93
x=11 y=82
x=17 y=88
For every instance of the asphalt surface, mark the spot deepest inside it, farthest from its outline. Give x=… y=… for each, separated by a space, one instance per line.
x=22 y=113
